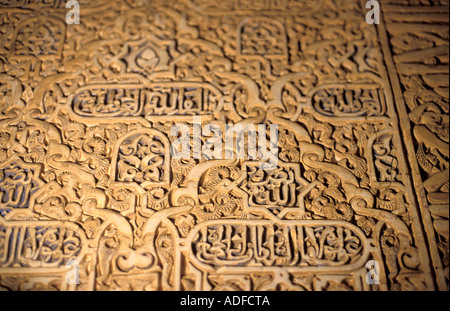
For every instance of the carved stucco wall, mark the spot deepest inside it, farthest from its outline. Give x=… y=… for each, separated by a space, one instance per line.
x=86 y=174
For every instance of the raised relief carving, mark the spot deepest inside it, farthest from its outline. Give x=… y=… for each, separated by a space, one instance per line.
x=158 y=99
x=421 y=60
x=88 y=178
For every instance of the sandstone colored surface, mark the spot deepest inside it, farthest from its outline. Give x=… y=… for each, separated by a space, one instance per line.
x=91 y=197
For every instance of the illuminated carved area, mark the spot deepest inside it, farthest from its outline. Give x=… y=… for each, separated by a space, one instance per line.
x=87 y=175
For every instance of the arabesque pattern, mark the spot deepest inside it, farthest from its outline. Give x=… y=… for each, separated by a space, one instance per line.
x=87 y=176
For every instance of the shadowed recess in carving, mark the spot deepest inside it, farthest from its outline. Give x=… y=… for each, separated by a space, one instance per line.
x=89 y=187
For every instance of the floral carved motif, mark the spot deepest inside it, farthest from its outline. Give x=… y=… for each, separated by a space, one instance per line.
x=87 y=174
